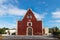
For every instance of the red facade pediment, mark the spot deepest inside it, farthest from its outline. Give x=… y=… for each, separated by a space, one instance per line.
x=29 y=24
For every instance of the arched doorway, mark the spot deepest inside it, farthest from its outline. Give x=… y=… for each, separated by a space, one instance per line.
x=29 y=31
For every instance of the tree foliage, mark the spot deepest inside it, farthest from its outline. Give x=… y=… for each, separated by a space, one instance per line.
x=2 y=30
x=55 y=31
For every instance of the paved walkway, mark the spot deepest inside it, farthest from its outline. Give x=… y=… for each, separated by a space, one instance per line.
x=29 y=38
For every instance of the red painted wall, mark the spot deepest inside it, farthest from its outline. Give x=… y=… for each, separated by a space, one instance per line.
x=36 y=25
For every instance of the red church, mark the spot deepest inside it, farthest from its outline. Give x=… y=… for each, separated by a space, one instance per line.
x=29 y=25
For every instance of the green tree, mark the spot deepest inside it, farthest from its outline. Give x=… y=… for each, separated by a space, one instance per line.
x=55 y=31
x=2 y=30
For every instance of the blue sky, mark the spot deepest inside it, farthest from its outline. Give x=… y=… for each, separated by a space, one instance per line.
x=13 y=10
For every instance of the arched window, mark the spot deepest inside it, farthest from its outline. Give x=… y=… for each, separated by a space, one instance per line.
x=29 y=23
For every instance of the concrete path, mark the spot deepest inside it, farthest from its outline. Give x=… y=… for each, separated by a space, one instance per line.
x=29 y=38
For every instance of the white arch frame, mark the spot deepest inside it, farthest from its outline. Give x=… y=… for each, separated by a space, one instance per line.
x=27 y=31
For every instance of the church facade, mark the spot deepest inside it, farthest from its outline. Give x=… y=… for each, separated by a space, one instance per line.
x=29 y=25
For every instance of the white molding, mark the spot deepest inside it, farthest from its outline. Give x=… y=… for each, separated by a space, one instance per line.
x=28 y=23
x=17 y=28
x=27 y=31
x=42 y=27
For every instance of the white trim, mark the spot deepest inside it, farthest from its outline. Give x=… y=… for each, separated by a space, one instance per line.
x=28 y=23
x=42 y=26
x=27 y=31
x=17 y=28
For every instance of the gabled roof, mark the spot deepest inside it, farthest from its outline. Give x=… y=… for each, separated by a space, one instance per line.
x=29 y=12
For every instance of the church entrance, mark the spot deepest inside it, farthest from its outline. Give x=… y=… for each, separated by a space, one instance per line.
x=30 y=31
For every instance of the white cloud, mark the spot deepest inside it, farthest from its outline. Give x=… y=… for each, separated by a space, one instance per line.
x=16 y=11
x=2 y=1
x=56 y=14
x=57 y=21
x=13 y=10
x=6 y=24
x=40 y=16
